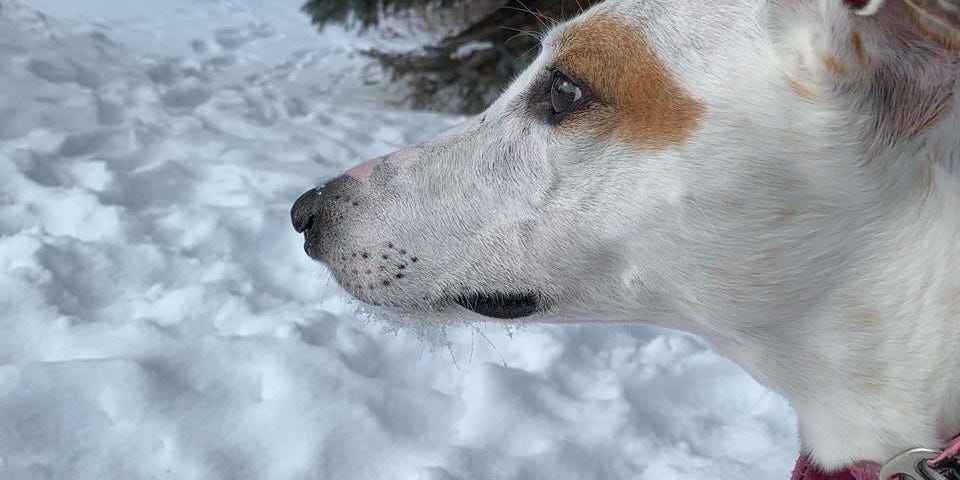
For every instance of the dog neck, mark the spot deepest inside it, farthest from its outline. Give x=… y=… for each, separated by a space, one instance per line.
x=875 y=368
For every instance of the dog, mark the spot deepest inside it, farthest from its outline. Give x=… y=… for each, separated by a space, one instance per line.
x=779 y=177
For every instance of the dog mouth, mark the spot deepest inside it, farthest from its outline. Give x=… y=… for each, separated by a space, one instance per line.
x=504 y=306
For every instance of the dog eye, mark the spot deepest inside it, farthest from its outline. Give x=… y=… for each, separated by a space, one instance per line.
x=565 y=94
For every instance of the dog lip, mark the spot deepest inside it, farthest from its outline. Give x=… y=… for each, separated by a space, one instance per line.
x=312 y=248
x=302 y=214
x=505 y=306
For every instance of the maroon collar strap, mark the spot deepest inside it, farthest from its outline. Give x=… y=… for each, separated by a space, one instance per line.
x=946 y=464
x=806 y=470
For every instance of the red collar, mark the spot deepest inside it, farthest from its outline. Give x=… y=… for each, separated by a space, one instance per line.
x=806 y=470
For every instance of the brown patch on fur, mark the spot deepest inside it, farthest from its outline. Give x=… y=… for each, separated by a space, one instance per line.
x=800 y=90
x=639 y=100
x=834 y=66
x=787 y=214
x=858 y=50
x=867 y=318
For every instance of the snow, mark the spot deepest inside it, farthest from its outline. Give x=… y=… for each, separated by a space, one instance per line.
x=160 y=319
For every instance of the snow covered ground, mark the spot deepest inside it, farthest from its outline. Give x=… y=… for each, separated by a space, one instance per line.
x=158 y=319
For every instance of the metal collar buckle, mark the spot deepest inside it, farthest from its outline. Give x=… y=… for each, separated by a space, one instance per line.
x=912 y=465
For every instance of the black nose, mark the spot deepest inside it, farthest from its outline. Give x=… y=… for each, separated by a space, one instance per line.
x=319 y=214
x=305 y=210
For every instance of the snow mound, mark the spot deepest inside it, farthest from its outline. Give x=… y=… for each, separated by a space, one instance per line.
x=161 y=321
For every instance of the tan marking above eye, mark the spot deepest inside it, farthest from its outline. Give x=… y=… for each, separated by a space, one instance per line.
x=639 y=99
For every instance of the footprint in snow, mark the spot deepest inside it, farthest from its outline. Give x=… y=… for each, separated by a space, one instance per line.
x=186 y=97
x=234 y=38
x=97 y=141
x=63 y=71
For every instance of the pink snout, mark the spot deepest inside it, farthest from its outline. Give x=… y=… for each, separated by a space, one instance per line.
x=401 y=159
x=320 y=212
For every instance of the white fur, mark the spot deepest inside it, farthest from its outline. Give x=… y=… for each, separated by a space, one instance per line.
x=810 y=241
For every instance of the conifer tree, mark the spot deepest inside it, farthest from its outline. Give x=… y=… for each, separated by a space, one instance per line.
x=465 y=71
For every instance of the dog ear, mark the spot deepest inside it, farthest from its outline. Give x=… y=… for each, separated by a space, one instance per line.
x=895 y=63
x=938 y=20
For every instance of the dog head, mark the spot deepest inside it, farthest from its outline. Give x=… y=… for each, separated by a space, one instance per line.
x=695 y=164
